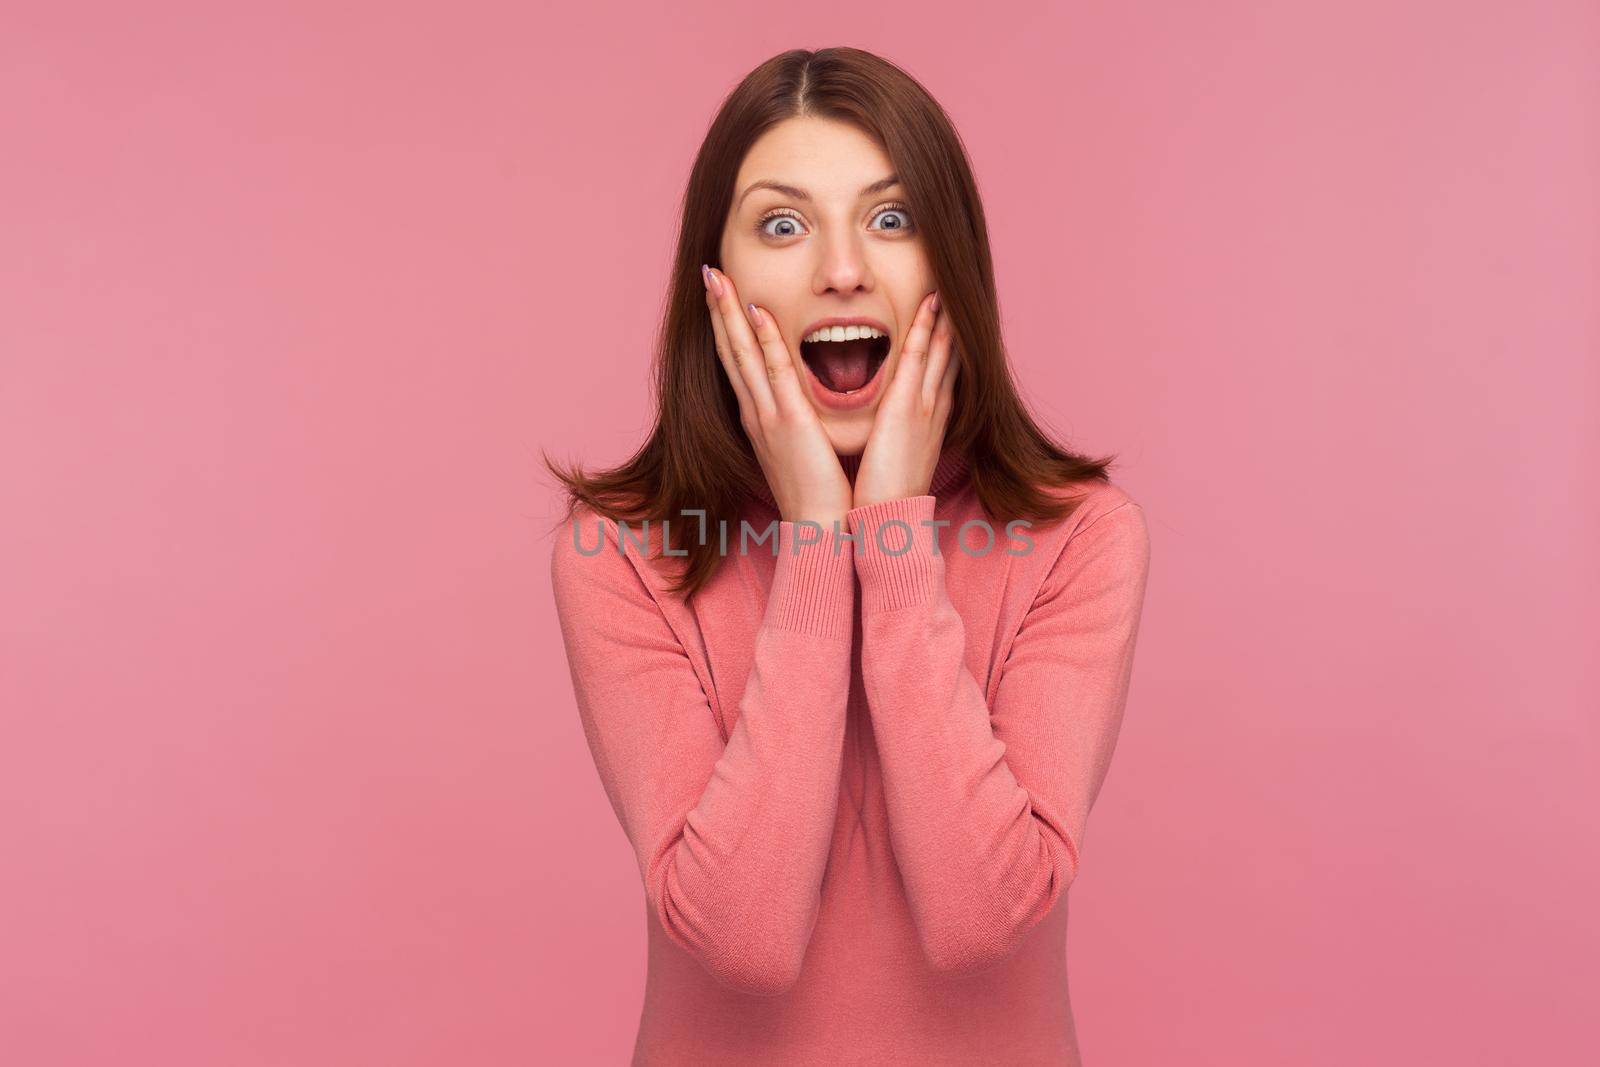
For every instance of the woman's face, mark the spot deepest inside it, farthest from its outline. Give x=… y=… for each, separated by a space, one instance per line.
x=837 y=243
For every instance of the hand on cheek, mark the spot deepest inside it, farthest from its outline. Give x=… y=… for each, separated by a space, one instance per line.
x=788 y=439
x=908 y=428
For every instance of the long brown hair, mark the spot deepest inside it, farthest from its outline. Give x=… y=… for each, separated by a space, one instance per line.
x=697 y=455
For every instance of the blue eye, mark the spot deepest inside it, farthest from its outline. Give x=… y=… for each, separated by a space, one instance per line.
x=789 y=218
x=896 y=209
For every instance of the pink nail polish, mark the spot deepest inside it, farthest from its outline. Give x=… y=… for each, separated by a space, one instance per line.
x=933 y=305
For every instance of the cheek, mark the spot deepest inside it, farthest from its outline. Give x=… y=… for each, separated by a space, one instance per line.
x=771 y=285
x=907 y=301
x=908 y=276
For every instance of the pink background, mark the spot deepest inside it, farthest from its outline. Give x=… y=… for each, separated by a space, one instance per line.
x=290 y=299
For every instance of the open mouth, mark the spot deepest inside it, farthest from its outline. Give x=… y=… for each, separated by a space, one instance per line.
x=845 y=366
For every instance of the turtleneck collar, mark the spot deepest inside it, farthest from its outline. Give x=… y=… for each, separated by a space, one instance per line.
x=950 y=472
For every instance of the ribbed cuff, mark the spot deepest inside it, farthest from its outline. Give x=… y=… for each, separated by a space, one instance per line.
x=813 y=585
x=890 y=580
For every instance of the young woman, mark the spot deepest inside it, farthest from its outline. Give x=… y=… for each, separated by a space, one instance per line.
x=855 y=760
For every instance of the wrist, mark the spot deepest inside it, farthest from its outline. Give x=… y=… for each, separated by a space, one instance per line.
x=813 y=583
x=897 y=556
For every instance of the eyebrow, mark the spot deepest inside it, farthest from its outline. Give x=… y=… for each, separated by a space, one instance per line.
x=794 y=192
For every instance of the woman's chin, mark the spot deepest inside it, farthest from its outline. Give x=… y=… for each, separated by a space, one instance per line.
x=848 y=436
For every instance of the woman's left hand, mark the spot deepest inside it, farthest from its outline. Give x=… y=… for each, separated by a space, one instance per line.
x=908 y=430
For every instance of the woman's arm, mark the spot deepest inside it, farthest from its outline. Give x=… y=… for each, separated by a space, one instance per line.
x=731 y=841
x=987 y=806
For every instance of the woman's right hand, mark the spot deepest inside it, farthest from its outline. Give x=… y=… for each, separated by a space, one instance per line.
x=804 y=472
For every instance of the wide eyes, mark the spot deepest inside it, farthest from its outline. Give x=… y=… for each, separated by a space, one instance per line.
x=785 y=223
x=892 y=213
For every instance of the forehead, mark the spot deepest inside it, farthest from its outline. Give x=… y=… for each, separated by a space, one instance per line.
x=825 y=156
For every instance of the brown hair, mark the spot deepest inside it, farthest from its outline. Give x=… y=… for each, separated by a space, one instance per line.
x=697 y=456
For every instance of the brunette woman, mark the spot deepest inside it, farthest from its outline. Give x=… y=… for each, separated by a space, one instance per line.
x=855 y=760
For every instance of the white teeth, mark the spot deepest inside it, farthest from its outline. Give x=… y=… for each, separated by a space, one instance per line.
x=843 y=333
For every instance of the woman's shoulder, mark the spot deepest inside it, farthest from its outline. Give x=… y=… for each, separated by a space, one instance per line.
x=1095 y=499
x=592 y=549
x=1109 y=536
x=1105 y=528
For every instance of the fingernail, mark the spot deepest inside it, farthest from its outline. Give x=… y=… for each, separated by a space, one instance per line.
x=705 y=275
x=933 y=305
x=755 y=316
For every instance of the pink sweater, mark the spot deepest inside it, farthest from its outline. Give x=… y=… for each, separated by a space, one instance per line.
x=856 y=783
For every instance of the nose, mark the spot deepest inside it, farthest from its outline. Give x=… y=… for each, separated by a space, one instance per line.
x=843 y=269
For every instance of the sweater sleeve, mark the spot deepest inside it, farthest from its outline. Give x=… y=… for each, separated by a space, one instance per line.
x=988 y=805
x=731 y=841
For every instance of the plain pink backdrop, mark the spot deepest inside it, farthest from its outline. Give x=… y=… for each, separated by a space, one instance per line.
x=291 y=298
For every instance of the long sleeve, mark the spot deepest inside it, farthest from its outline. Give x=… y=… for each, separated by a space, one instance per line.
x=987 y=806
x=731 y=840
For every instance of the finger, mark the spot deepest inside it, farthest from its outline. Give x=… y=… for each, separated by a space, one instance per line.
x=912 y=367
x=938 y=358
x=726 y=356
x=947 y=388
x=748 y=354
x=783 y=366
